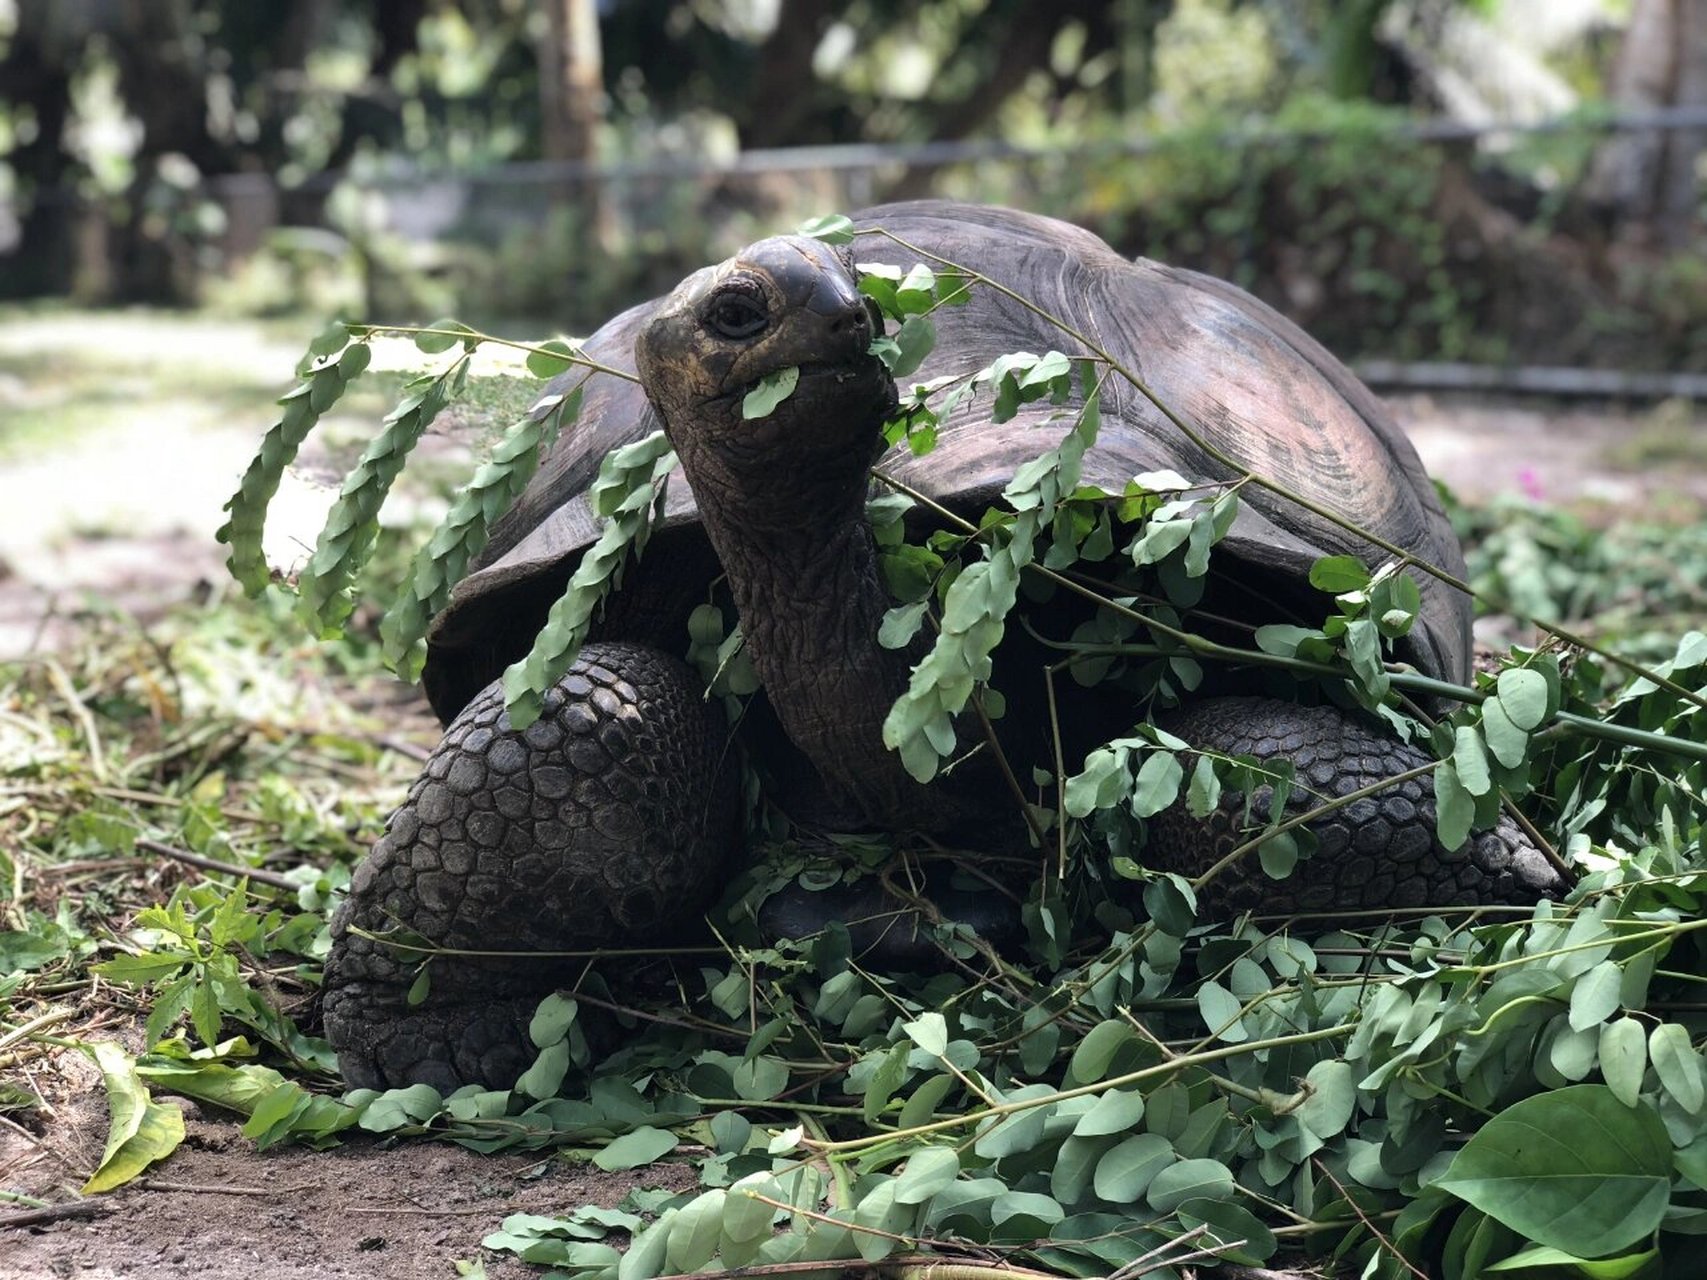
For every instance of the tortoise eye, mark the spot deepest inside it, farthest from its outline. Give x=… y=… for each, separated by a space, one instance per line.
x=737 y=315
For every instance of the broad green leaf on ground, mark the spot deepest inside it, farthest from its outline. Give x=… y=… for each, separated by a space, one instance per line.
x=141 y=1130
x=1574 y=1169
x=642 y=1146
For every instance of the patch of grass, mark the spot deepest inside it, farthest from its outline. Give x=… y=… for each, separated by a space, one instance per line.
x=213 y=749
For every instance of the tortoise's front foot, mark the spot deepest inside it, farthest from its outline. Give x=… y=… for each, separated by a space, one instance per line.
x=1378 y=852
x=608 y=822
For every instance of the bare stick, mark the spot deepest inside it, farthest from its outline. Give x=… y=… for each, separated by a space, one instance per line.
x=51 y=1213
x=192 y=1188
x=256 y=874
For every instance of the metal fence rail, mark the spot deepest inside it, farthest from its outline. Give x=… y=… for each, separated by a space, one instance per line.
x=857 y=156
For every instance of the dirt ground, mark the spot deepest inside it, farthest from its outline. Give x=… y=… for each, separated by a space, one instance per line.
x=120 y=515
x=217 y=1208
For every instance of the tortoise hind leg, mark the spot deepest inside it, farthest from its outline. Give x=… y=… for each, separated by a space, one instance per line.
x=609 y=821
x=1379 y=851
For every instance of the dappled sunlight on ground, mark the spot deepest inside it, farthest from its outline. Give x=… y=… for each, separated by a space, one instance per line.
x=122 y=434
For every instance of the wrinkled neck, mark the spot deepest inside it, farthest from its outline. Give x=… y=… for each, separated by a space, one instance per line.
x=802 y=566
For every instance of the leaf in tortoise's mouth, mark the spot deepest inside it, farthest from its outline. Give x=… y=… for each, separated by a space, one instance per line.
x=847 y=371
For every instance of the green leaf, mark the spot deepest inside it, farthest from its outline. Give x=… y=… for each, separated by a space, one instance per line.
x=139 y=1131
x=396 y=1108
x=877 y=1211
x=745 y=1216
x=248 y=506
x=695 y=1233
x=901 y=624
x=204 y=1011
x=1229 y=1224
x=1157 y=784
x=1115 y=1111
x=730 y=1131
x=922 y=1103
x=1018 y=1131
x=927 y=1172
x=552 y=358
x=329 y=340
x=913 y=342
x=551 y=1020
x=1091 y=1060
x=772 y=390
x=354 y=362
x=146 y=967
x=545 y=1076
x=1454 y=807
x=629 y=491
x=1523 y=696
x=1171 y=903
x=1594 y=999
x=1339 y=574
x=22 y=952
x=1035 y=1213
x=646 y=1254
x=760 y=1079
x=433 y=343
x=930 y=1032
x=642 y=1146
x=832 y=228
x=1189 y=1180
x=1220 y=1009
x=1125 y=1172
x=1630 y=1266
x=1678 y=1065
x=1470 y=760
x=1333 y=1099
x=1506 y=742
x=1574 y=1169
x=1204 y=791
x=1624 y=1058
x=1278 y=854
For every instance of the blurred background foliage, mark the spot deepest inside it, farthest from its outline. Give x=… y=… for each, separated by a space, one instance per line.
x=557 y=161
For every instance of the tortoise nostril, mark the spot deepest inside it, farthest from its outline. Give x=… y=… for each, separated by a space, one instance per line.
x=851 y=323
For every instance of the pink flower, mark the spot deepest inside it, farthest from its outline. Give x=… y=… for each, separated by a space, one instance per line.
x=1530 y=484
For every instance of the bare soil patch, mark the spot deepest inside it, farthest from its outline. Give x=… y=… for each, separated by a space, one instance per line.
x=217 y=1208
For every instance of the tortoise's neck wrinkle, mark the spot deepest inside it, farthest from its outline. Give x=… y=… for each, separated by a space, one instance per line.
x=810 y=605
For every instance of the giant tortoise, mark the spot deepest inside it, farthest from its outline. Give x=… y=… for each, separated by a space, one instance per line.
x=615 y=818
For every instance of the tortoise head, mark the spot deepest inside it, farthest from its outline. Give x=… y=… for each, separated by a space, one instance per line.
x=785 y=302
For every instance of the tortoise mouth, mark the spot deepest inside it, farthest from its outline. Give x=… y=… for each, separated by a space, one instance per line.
x=826 y=378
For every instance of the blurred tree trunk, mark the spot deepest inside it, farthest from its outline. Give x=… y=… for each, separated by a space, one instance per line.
x=163 y=82
x=36 y=73
x=572 y=104
x=1647 y=177
x=786 y=95
x=1030 y=31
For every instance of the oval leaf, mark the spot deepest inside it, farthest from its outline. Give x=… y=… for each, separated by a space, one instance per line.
x=1125 y=1172
x=1575 y=1169
x=1523 y=696
x=642 y=1146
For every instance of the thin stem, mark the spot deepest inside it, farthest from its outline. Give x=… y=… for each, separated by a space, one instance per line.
x=475 y=336
x=598 y=953
x=1085 y=1090
x=1006 y=768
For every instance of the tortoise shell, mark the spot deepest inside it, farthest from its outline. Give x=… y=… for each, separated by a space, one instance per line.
x=1249 y=380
